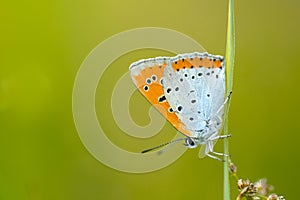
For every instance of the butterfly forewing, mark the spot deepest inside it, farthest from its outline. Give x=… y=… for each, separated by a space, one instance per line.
x=148 y=76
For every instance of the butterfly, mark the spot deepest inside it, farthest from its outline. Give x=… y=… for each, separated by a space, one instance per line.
x=189 y=91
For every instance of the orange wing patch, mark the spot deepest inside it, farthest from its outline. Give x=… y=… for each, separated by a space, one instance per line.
x=149 y=81
x=196 y=62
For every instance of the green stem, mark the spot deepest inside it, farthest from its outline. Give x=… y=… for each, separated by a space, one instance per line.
x=229 y=61
x=226 y=173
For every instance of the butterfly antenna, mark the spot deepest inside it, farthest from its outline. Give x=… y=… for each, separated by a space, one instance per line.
x=162 y=145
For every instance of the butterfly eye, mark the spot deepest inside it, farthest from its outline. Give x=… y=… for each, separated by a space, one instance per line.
x=190 y=143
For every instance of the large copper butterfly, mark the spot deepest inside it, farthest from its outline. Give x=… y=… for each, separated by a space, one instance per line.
x=189 y=90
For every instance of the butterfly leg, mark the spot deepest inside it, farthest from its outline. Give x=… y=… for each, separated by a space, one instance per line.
x=226 y=100
x=216 y=138
x=215 y=157
x=220 y=137
x=228 y=97
x=219 y=154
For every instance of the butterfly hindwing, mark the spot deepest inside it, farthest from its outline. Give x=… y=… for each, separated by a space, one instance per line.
x=195 y=86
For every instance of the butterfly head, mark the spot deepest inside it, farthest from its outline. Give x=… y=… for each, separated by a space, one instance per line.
x=193 y=142
x=202 y=137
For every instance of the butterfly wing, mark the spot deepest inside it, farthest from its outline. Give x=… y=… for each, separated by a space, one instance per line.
x=148 y=76
x=194 y=85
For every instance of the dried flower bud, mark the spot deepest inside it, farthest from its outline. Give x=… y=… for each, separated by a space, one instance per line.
x=232 y=168
x=275 y=197
x=272 y=197
x=247 y=189
x=240 y=184
x=247 y=182
x=262 y=187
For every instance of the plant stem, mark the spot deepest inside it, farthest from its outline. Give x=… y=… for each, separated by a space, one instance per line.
x=229 y=61
x=226 y=173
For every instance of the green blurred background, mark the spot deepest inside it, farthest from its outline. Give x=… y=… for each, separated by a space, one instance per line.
x=43 y=44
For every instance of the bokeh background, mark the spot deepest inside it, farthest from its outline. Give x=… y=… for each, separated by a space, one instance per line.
x=43 y=44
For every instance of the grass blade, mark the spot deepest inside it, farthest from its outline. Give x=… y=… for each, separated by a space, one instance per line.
x=229 y=61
